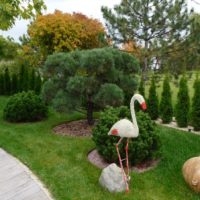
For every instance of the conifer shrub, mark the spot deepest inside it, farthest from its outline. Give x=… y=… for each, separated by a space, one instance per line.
x=183 y=104
x=25 y=107
x=141 y=87
x=14 y=84
x=145 y=147
x=195 y=115
x=1 y=84
x=141 y=90
x=152 y=102
x=7 y=82
x=166 y=109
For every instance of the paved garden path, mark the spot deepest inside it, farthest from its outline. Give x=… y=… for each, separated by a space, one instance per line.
x=17 y=182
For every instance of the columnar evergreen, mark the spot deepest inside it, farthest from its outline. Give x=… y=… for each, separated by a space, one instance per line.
x=32 y=80
x=166 y=110
x=7 y=82
x=14 y=84
x=1 y=84
x=38 y=84
x=21 y=78
x=196 y=106
x=183 y=104
x=153 y=101
x=141 y=88
x=17 y=82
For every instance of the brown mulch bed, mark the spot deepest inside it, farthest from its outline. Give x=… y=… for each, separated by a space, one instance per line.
x=74 y=128
x=96 y=159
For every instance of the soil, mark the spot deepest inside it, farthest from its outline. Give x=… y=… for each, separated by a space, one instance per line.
x=74 y=128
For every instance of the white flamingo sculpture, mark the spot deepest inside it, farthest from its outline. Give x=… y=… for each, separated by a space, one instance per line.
x=127 y=129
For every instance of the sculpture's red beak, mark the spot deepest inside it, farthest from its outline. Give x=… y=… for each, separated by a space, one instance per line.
x=143 y=106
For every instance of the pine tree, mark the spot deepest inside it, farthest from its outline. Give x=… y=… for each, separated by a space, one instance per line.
x=14 y=84
x=153 y=101
x=166 y=110
x=196 y=106
x=153 y=23
x=38 y=84
x=7 y=82
x=183 y=104
x=1 y=84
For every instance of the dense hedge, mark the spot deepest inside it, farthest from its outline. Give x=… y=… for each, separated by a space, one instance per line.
x=25 y=107
x=145 y=146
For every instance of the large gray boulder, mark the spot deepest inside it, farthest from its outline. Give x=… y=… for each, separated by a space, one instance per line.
x=111 y=178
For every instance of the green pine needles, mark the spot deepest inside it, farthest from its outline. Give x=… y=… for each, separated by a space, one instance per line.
x=153 y=104
x=166 y=109
x=183 y=104
x=196 y=106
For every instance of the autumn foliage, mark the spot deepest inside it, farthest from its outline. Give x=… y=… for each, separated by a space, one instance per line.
x=65 y=32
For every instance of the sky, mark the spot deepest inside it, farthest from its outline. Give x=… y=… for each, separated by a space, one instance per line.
x=91 y=8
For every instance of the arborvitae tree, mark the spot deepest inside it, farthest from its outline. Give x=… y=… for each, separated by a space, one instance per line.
x=152 y=107
x=166 y=110
x=38 y=84
x=183 y=104
x=32 y=80
x=26 y=80
x=7 y=82
x=1 y=84
x=196 y=106
x=23 y=79
x=14 y=84
x=141 y=88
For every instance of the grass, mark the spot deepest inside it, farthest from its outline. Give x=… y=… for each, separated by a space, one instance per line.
x=61 y=161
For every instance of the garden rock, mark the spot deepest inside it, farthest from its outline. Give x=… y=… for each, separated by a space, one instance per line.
x=191 y=173
x=111 y=178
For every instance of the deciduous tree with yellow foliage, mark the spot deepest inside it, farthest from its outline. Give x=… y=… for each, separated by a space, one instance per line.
x=64 y=32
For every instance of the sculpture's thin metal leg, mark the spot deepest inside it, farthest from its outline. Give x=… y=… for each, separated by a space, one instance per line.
x=127 y=162
x=121 y=165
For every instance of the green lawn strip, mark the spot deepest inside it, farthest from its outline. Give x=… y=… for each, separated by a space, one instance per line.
x=61 y=161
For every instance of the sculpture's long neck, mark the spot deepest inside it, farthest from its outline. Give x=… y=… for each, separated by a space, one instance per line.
x=132 y=108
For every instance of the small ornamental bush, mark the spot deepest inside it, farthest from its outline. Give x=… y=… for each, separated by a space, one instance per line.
x=183 y=104
x=196 y=106
x=25 y=107
x=153 y=101
x=166 y=110
x=145 y=147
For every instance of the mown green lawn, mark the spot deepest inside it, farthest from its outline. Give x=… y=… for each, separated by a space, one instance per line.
x=61 y=162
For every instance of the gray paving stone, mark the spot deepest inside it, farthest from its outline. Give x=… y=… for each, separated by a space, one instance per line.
x=17 y=182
